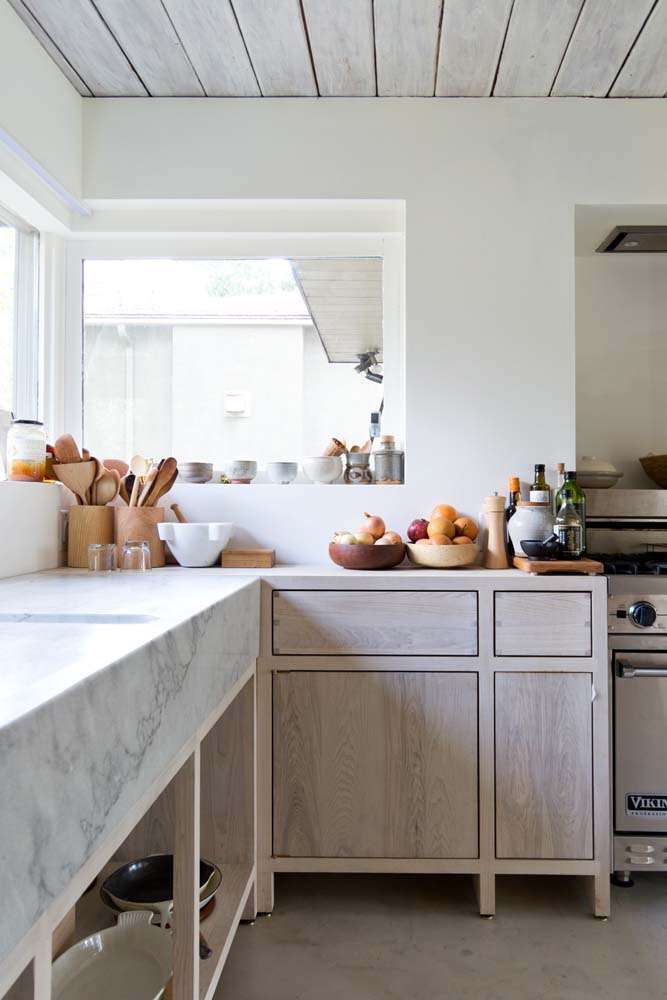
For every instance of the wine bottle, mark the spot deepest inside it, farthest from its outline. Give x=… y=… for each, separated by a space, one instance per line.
x=574 y=493
x=540 y=491
x=569 y=529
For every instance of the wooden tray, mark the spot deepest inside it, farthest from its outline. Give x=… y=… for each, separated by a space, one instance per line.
x=535 y=566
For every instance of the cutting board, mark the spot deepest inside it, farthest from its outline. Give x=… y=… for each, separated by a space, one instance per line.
x=535 y=566
x=248 y=558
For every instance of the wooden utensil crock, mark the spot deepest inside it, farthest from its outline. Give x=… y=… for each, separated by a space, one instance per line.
x=87 y=526
x=139 y=524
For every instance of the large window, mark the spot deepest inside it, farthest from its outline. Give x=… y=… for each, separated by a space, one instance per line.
x=19 y=337
x=217 y=360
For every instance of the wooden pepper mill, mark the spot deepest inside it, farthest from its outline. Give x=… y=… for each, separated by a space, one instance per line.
x=495 y=556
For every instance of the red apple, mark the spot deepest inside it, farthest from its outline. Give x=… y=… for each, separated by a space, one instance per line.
x=418 y=529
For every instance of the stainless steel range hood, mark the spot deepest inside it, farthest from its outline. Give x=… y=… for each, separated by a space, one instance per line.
x=635 y=239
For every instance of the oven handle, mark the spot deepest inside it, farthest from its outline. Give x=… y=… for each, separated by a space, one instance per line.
x=627 y=671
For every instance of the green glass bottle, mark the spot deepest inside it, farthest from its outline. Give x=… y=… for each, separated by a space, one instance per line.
x=572 y=491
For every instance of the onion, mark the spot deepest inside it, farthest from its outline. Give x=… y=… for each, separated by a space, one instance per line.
x=364 y=538
x=390 y=538
x=345 y=538
x=373 y=525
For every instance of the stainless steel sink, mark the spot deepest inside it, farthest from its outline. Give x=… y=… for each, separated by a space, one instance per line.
x=74 y=618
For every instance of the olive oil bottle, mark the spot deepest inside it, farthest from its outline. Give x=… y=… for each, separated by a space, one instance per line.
x=572 y=491
x=540 y=491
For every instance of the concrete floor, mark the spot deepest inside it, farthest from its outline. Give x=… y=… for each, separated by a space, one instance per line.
x=349 y=937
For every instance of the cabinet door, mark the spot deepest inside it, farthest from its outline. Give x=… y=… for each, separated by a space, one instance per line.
x=369 y=764
x=544 y=787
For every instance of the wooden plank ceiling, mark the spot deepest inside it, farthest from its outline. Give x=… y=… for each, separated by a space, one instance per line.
x=355 y=48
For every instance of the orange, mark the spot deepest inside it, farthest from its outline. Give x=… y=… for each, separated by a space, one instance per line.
x=444 y=510
x=462 y=540
x=467 y=527
x=439 y=540
x=441 y=526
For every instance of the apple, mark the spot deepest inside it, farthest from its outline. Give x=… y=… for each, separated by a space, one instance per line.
x=418 y=529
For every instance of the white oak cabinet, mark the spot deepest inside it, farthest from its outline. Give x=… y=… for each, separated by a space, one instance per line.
x=426 y=721
x=544 y=765
x=373 y=764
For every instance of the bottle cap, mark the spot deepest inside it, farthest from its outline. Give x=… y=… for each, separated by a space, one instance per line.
x=514 y=484
x=571 y=474
x=560 y=467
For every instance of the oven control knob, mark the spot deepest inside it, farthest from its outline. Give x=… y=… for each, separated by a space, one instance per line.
x=642 y=614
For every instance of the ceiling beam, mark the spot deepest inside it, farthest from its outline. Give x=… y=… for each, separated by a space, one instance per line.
x=537 y=36
x=342 y=45
x=471 y=41
x=275 y=36
x=406 y=46
x=644 y=73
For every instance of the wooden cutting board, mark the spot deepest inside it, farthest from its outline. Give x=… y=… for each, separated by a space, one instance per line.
x=248 y=559
x=535 y=566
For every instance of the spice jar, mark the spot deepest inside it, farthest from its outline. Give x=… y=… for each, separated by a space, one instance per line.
x=26 y=451
x=389 y=461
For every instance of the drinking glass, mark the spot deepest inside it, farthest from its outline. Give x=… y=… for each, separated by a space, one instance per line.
x=136 y=556
x=101 y=558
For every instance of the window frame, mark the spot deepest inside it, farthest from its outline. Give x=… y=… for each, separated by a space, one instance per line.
x=389 y=246
x=26 y=395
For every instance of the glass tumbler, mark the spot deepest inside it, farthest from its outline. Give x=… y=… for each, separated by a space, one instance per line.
x=102 y=558
x=136 y=556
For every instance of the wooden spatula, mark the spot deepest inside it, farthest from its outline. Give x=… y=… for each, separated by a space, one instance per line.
x=66 y=449
x=165 y=479
x=77 y=477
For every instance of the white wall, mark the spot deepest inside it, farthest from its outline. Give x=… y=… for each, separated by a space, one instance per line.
x=622 y=361
x=40 y=110
x=490 y=189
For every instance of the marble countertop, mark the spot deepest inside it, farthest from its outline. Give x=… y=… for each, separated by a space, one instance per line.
x=91 y=713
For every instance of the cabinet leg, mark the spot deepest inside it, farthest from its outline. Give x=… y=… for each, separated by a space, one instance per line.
x=265 y=892
x=599 y=890
x=485 y=890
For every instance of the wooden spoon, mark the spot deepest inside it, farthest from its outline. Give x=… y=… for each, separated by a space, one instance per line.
x=99 y=472
x=180 y=516
x=165 y=479
x=147 y=487
x=77 y=477
x=66 y=449
x=126 y=488
x=107 y=487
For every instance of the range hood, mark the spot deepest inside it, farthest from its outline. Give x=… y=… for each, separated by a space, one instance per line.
x=635 y=239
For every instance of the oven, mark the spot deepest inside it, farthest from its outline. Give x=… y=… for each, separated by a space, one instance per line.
x=627 y=531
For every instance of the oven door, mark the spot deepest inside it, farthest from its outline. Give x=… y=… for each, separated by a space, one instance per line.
x=640 y=741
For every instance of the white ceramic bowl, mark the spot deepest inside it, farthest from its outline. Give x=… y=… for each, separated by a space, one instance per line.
x=241 y=471
x=282 y=472
x=323 y=469
x=597 y=474
x=195 y=472
x=196 y=544
x=131 y=960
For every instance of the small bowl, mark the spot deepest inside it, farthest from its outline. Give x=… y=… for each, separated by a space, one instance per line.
x=366 y=556
x=241 y=471
x=282 y=472
x=323 y=469
x=196 y=543
x=195 y=472
x=442 y=556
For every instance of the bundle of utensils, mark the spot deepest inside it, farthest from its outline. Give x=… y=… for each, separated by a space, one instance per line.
x=145 y=483
x=93 y=482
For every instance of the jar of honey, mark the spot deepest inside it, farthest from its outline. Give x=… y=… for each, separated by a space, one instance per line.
x=26 y=451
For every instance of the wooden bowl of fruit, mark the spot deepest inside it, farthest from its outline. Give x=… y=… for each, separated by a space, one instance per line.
x=447 y=540
x=370 y=547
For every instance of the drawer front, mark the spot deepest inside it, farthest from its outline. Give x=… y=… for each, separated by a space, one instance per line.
x=371 y=764
x=553 y=623
x=374 y=623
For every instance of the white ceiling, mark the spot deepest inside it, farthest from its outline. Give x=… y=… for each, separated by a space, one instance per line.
x=355 y=48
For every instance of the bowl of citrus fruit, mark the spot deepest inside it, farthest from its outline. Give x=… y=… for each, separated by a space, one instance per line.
x=446 y=540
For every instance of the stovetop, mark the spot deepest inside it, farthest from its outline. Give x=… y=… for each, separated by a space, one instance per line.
x=634 y=564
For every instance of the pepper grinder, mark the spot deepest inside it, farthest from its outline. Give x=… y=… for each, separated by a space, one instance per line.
x=495 y=556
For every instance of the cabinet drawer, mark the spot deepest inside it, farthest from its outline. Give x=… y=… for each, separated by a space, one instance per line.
x=370 y=764
x=554 y=623
x=374 y=623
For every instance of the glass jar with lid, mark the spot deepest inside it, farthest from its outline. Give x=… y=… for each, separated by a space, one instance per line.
x=26 y=451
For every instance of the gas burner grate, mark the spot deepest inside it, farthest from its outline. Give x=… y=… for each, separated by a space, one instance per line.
x=639 y=564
